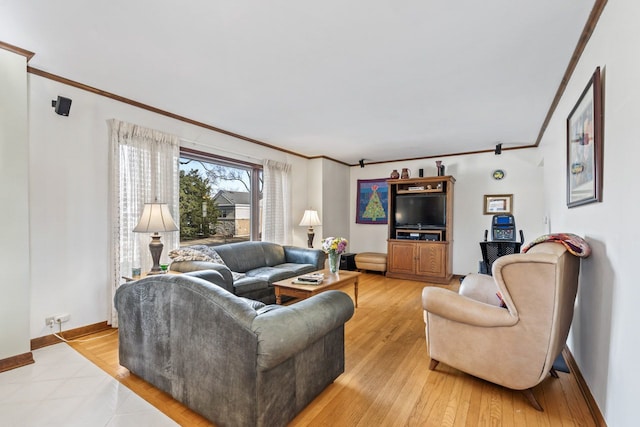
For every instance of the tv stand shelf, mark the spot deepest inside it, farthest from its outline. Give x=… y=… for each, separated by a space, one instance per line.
x=419 y=234
x=417 y=251
x=432 y=190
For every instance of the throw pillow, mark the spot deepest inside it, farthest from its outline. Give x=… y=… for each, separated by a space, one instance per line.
x=188 y=254
x=210 y=252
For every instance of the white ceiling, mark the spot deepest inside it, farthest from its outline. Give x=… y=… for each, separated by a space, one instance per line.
x=348 y=79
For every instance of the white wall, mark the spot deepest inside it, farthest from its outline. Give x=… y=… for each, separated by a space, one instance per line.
x=69 y=196
x=473 y=174
x=311 y=198
x=335 y=200
x=14 y=214
x=604 y=338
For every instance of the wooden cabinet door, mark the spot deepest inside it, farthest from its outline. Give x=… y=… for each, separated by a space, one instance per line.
x=402 y=258
x=432 y=260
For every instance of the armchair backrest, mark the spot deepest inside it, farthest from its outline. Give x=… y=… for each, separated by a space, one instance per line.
x=540 y=287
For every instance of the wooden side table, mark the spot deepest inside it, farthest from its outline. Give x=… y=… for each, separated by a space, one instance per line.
x=348 y=262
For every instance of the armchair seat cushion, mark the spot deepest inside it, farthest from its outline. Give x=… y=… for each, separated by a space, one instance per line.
x=481 y=287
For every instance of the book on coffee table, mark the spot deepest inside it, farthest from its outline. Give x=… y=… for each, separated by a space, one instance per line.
x=309 y=279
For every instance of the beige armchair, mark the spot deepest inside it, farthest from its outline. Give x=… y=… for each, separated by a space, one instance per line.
x=514 y=346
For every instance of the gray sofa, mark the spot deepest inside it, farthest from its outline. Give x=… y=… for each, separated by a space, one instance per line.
x=236 y=361
x=255 y=265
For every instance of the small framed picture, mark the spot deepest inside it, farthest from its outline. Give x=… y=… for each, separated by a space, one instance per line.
x=498 y=204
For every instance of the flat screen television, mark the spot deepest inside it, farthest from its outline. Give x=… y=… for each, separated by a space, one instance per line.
x=421 y=210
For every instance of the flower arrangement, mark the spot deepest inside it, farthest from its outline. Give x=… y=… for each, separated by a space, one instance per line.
x=336 y=245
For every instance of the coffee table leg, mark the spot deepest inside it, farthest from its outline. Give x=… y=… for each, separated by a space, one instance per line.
x=278 y=298
x=355 y=290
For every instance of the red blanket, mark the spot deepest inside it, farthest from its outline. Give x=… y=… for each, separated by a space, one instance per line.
x=574 y=244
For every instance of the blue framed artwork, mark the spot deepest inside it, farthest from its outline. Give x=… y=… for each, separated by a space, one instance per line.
x=373 y=201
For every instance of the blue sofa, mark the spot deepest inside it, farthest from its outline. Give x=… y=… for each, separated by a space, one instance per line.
x=235 y=361
x=248 y=269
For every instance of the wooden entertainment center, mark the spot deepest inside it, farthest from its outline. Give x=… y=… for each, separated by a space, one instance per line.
x=420 y=243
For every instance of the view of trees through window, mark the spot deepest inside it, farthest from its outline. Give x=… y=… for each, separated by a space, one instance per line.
x=216 y=200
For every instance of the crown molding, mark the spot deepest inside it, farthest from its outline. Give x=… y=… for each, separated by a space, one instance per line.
x=15 y=49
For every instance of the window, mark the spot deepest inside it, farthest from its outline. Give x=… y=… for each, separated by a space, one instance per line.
x=220 y=199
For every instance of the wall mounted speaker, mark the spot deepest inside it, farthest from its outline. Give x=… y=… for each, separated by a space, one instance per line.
x=62 y=105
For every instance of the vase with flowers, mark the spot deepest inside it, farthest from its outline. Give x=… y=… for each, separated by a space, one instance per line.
x=334 y=247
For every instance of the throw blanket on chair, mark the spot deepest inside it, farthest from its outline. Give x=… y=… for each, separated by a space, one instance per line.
x=574 y=244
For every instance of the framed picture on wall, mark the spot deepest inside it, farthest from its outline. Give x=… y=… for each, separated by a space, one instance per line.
x=498 y=204
x=584 y=146
x=372 y=201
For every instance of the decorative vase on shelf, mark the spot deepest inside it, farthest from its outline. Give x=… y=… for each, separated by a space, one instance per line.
x=394 y=174
x=405 y=173
x=334 y=261
x=440 y=167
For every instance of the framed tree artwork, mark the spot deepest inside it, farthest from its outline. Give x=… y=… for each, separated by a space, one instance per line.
x=373 y=201
x=584 y=146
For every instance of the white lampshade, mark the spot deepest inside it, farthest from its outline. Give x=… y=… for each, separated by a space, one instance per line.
x=310 y=218
x=155 y=217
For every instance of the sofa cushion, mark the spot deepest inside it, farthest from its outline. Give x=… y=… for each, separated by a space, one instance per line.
x=269 y=274
x=237 y=276
x=249 y=284
x=273 y=254
x=245 y=256
x=297 y=269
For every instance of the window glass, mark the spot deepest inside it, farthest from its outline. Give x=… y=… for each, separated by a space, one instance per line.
x=220 y=199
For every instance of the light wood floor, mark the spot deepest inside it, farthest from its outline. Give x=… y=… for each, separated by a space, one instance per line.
x=387 y=381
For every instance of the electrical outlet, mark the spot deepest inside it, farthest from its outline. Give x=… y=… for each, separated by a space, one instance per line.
x=61 y=318
x=56 y=319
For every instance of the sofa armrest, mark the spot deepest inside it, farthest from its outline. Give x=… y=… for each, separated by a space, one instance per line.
x=300 y=255
x=223 y=270
x=286 y=331
x=449 y=305
x=212 y=276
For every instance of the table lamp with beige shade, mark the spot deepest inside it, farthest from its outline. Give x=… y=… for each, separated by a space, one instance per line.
x=309 y=219
x=155 y=218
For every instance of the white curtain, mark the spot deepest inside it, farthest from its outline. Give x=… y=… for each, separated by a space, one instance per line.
x=144 y=169
x=276 y=203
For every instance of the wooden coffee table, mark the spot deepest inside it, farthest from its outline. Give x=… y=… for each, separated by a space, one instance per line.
x=331 y=281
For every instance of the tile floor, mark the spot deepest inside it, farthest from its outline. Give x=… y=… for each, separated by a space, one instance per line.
x=63 y=388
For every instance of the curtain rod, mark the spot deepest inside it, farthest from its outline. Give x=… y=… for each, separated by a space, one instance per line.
x=200 y=144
